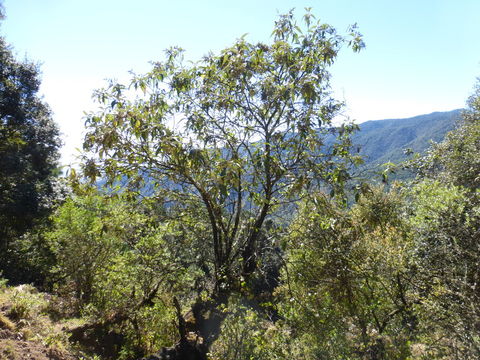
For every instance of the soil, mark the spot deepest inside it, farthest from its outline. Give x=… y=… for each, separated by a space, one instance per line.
x=14 y=347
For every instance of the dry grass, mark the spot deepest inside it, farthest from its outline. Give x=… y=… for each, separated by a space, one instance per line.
x=26 y=325
x=6 y=323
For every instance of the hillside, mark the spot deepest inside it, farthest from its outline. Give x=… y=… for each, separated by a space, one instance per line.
x=32 y=325
x=382 y=141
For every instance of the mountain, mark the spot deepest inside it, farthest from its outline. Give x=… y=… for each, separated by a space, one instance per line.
x=382 y=141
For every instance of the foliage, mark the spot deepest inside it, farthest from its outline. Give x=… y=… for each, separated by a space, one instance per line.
x=236 y=134
x=119 y=266
x=33 y=257
x=455 y=160
x=347 y=289
x=395 y=276
x=239 y=333
x=81 y=241
x=446 y=223
x=29 y=142
x=250 y=334
x=199 y=162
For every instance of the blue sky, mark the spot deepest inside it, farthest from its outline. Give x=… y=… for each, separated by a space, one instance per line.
x=421 y=56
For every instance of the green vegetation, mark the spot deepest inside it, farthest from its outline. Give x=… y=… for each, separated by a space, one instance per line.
x=29 y=142
x=224 y=226
x=239 y=134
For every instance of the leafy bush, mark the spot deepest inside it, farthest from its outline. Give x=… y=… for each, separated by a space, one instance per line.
x=447 y=253
x=120 y=268
x=347 y=290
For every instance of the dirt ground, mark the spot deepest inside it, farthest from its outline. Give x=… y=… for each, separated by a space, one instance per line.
x=13 y=347
x=26 y=331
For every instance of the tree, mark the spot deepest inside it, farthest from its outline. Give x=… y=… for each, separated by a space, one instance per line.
x=347 y=290
x=238 y=135
x=114 y=262
x=29 y=142
x=446 y=223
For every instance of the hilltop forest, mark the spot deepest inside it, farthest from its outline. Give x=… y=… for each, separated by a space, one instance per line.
x=219 y=213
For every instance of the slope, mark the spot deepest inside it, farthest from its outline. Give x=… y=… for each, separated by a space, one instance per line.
x=382 y=141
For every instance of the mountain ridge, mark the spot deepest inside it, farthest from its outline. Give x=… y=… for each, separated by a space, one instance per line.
x=381 y=141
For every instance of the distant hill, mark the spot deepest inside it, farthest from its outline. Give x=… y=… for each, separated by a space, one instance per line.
x=382 y=141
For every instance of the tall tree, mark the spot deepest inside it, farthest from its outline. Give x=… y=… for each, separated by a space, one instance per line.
x=29 y=142
x=446 y=204
x=347 y=290
x=237 y=134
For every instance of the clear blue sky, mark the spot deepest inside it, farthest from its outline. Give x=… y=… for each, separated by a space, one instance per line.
x=421 y=55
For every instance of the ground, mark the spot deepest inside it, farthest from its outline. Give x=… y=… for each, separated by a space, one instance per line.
x=14 y=347
x=27 y=329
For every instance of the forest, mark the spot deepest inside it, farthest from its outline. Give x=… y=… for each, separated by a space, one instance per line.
x=217 y=214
